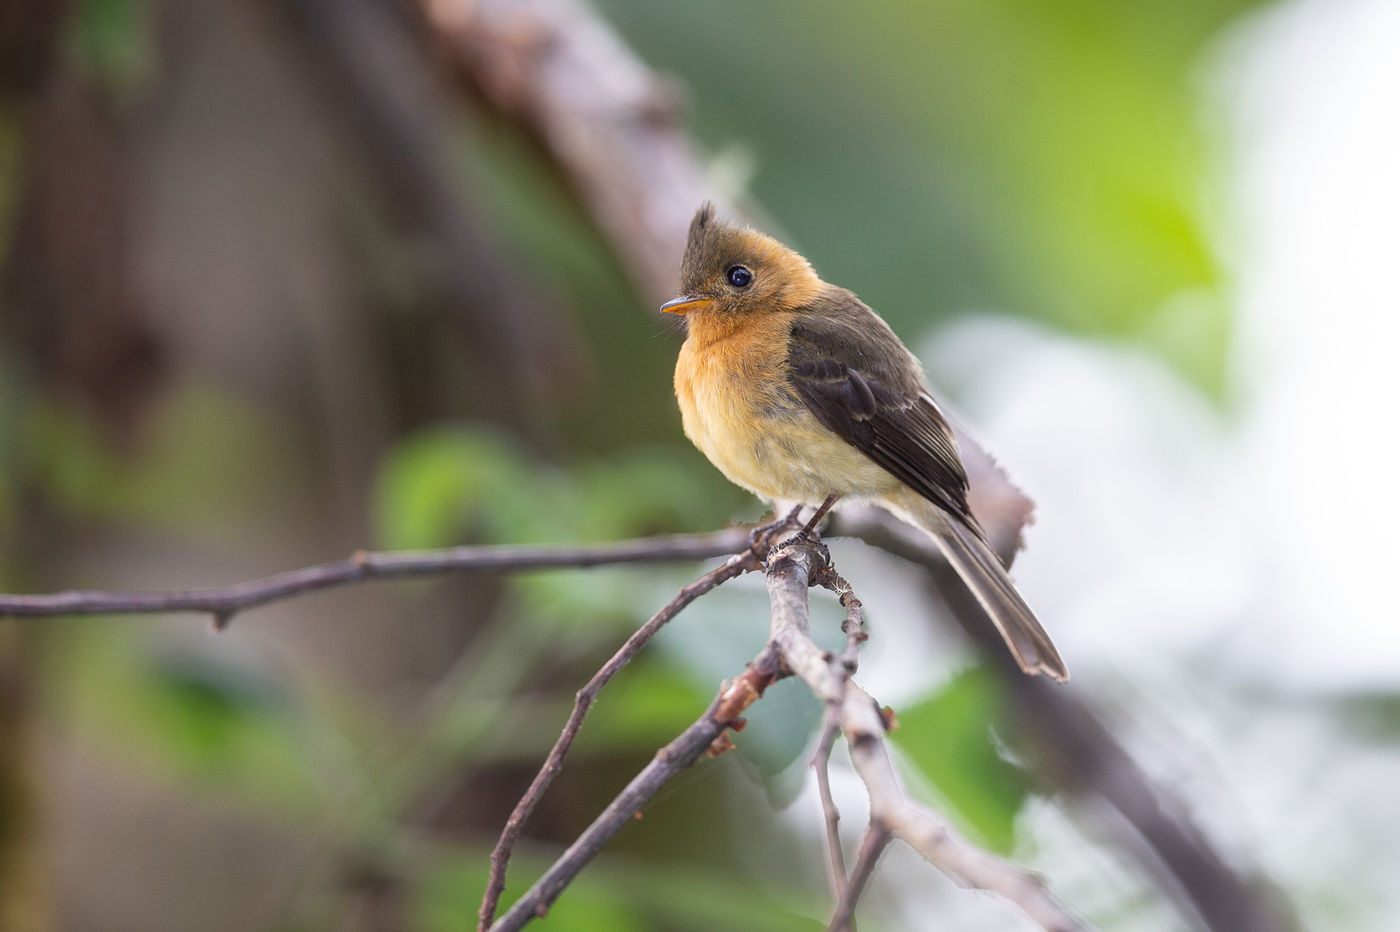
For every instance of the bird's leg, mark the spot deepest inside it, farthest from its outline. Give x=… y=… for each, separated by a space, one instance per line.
x=821 y=511
x=771 y=529
x=806 y=534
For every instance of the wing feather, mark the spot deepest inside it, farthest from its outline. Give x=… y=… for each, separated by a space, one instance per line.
x=860 y=382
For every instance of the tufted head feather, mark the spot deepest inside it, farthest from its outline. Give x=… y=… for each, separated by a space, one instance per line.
x=781 y=278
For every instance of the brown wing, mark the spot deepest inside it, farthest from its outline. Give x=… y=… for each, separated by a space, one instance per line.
x=860 y=382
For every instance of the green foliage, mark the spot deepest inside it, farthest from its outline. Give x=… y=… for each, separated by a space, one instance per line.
x=645 y=707
x=461 y=482
x=616 y=893
x=191 y=717
x=713 y=641
x=1042 y=159
x=779 y=737
x=178 y=479
x=948 y=737
x=111 y=40
x=464 y=481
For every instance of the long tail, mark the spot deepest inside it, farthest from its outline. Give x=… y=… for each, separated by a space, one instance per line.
x=983 y=573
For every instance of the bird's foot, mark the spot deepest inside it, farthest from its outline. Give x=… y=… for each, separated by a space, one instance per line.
x=809 y=530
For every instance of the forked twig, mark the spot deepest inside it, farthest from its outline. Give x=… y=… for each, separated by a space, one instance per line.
x=876 y=839
x=831 y=816
x=707 y=734
x=854 y=628
x=759 y=542
x=790 y=569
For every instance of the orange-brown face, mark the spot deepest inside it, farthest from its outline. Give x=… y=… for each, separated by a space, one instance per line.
x=739 y=271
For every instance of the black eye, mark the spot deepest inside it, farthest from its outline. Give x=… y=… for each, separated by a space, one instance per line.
x=739 y=276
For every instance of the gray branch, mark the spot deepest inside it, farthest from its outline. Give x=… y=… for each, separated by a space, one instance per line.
x=705 y=735
x=224 y=602
x=791 y=569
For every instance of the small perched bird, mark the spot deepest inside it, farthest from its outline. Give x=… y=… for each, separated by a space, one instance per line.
x=799 y=392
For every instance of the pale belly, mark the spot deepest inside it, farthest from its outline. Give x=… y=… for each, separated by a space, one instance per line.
x=766 y=440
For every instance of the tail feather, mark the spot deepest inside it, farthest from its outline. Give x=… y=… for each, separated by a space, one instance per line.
x=977 y=564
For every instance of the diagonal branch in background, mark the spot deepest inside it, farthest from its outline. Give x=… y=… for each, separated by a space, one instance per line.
x=750 y=559
x=224 y=602
x=610 y=123
x=1070 y=748
x=383 y=85
x=592 y=105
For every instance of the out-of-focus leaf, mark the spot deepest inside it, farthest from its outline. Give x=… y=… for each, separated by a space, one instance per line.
x=617 y=893
x=450 y=892
x=948 y=737
x=647 y=705
x=461 y=482
x=716 y=636
x=1374 y=715
x=192 y=717
x=184 y=475
x=111 y=40
x=1044 y=159
x=653 y=491
x=782 y=727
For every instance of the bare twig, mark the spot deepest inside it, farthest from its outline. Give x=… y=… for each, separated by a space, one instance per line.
x=876 y=839
x=1074 y=751
x=854 y=628
x=854 y=624
x=224 y=602
x=790 y=569
x=821 y=763
x=733 y=698
x=740 y=563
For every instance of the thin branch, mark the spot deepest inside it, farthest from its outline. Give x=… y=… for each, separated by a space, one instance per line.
x=876 y=839
x=790 y=569
x=1072 y=750
x=854 y=624
x=707 y=734
x=854 y=628
x=831 y=816
x=224 y=602
x=740 y=563
x=929 y=835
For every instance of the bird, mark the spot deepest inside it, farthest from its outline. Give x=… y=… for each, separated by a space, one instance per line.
x=799 y=392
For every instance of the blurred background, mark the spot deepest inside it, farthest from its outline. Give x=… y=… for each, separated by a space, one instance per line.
x=281 y=280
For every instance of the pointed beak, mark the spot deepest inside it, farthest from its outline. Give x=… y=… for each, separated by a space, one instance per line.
x=682 y=304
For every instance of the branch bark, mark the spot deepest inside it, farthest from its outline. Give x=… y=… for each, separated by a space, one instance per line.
x=226 y=601
x=791 y=568
x=750 y=559
x=876 y=839
x=591 y=103
x=610 y=123
x=680 y=754
x=1074 y=752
